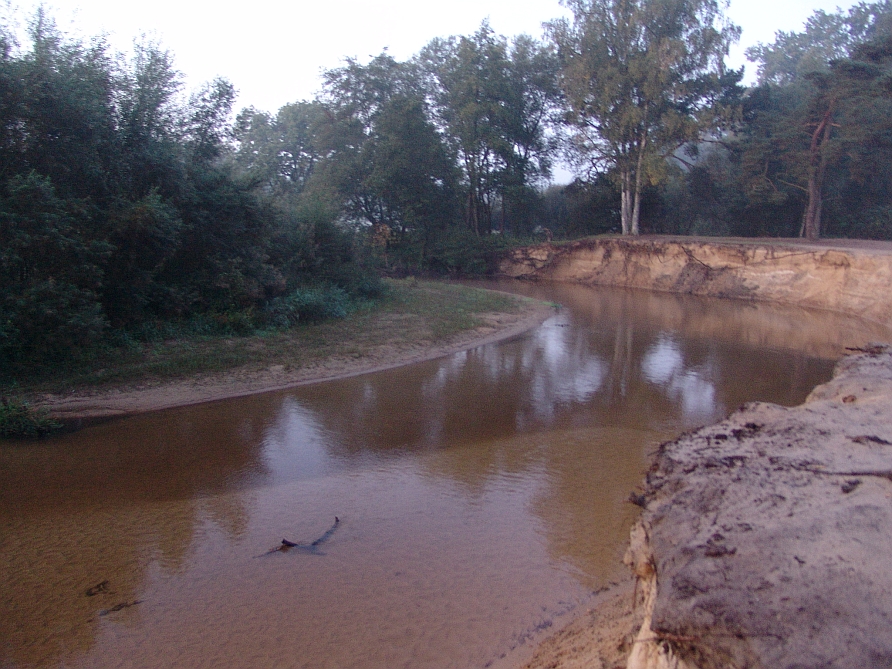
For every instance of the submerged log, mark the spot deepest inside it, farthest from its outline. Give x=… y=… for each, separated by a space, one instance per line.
x=311 y=547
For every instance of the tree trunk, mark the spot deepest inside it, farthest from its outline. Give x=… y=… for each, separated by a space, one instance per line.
x=473 y=221
x=626 y=211
x=504 y=215
x=636 y=211
x=811 y=220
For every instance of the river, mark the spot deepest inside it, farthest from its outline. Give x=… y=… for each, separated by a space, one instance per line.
x=481 y=496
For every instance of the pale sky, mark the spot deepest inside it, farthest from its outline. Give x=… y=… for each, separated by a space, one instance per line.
x=274 y=50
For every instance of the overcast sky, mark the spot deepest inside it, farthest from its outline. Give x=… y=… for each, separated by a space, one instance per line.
x=273 y=50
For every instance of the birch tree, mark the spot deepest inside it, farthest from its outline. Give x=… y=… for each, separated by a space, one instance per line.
x=641 y=79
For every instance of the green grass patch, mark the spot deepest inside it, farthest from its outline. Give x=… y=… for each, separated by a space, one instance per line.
x=448 y=309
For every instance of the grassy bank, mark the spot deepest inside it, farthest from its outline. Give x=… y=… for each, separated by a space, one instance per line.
x=410 y=313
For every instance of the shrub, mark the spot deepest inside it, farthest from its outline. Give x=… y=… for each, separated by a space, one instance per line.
x=307 y=304
x=18 y=419
x=47 y=323
x=460 y=252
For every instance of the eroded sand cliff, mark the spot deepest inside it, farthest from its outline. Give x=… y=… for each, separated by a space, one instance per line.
x=845 y=276
x=766 y=538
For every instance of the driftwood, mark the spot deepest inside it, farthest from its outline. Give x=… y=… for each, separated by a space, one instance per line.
x=312 y=547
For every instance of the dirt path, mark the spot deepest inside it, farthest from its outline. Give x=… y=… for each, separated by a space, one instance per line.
x=119 y=400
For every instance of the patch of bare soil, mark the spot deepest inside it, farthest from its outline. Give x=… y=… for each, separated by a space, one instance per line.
x=764 y=541
x=361 y=353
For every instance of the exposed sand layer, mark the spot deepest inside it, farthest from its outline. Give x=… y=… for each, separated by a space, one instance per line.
x=601 y=638
x=764 y=541
x=95 y=403
x=847 y=276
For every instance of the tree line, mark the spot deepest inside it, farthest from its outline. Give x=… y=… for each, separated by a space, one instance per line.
x=129 y=206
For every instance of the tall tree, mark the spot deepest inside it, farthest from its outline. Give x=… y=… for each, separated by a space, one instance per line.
x=469 y=81
x=355 y=97
x=411 y=175
x=821 y=96
x=495 y=101
x=826 y=37
x=641 y=78
x=530 y=125
x=280 y=152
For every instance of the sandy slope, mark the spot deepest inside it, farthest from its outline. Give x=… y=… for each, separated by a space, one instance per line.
x=838 y=275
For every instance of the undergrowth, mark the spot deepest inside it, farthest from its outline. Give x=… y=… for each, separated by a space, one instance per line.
x=19 y=420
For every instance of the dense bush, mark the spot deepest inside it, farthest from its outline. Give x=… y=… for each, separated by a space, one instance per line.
x=18 y=419
x=123 y=211
x=307 y=304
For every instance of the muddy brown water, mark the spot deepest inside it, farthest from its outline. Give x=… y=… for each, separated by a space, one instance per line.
x=481 y=496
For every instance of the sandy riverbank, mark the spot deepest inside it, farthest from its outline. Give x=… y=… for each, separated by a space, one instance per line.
x=125 y=399
x=846 y=276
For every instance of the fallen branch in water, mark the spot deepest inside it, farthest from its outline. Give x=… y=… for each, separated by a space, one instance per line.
x=311 y=547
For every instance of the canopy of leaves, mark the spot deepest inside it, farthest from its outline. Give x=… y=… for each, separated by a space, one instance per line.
x=121 y=203
x=641 y=79
x=815 y=132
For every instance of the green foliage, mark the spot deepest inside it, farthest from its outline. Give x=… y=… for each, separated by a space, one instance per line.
x=122 y=205
x=460 y=252
x=49 y=308
x=307 y=304
x=826 y=37
x=411 y=176
x=816 y=135
x=49 y=322
x=280 y=153
x=641 y=79
x=19 y=420
x=583 y=208
x=496 y=100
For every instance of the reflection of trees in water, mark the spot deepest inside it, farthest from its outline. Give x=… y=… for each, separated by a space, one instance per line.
x=615 y=358
x=102 y=505
x=575 y=402
x=578 y=369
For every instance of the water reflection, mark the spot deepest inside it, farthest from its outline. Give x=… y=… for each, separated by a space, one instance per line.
x=481 y=493
x=689 y=386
